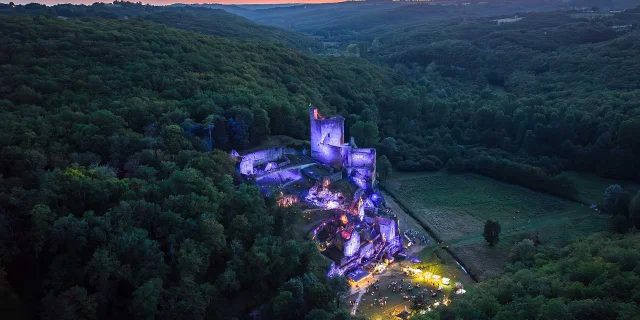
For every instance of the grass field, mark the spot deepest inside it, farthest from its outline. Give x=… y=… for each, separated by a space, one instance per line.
x=455 y=208
x=591 y=187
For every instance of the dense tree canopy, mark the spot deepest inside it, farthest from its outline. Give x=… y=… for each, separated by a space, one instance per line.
x=118 y=199
x=205 y=20
x=594 y=278
x=518 y=91
x=113 y=202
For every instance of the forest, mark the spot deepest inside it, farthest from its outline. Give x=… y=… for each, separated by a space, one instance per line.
x=113 y=203
x=209 y=21
x=539 y=104
x=515 y=93
x=118 y=198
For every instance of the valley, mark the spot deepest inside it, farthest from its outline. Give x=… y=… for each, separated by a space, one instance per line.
x=442 y=160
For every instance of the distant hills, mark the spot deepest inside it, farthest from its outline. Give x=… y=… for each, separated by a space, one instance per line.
x=221 y=23
x=205 y=20
x=357 y=16
x=345 y=17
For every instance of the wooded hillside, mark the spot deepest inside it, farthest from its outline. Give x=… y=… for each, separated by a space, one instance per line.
x=208 y=21
x=112 y=204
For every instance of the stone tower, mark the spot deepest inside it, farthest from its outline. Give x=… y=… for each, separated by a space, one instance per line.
x=327 y=138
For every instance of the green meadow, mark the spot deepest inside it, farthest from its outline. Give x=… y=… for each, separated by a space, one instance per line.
x=455 y=207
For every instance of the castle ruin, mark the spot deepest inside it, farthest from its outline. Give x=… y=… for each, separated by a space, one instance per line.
x=328 y=147
x=361 y=234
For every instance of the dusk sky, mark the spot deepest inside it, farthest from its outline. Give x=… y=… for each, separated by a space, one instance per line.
x=167 y=2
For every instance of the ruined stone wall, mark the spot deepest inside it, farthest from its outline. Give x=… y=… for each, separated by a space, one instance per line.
x=316 y=132
x=332 y=131
x=361 y=165
x=251 y=160
x=362 y=157
x=366 y=251
x=345 y=153
x=329 y=155
x=387 y=228
x=362 y=177
x=327 y=137
x=246 y=167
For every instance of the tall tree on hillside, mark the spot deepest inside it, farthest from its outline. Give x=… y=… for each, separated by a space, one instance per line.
x=352 y=49
x=240 y=122
x=492 y=232
x=174 y=139
x=388 y=147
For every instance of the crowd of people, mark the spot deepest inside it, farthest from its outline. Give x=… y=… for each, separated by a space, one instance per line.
x=415 y=237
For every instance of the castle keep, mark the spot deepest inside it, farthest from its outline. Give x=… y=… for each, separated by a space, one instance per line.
x=328 y=147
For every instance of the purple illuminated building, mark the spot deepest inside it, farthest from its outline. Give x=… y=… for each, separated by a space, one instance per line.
x=328 y=147
x=353 y=242
x=327 y=138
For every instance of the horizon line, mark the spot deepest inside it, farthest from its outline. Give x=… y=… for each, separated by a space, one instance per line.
x=168 y=3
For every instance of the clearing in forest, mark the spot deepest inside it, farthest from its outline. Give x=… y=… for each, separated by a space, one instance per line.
x=589 y=187
x=455 y=208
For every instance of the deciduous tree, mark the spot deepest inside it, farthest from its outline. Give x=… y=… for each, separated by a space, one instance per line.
x=491 y=232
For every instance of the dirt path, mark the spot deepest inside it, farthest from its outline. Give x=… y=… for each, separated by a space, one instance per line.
x=405 y=221
x=360 y=293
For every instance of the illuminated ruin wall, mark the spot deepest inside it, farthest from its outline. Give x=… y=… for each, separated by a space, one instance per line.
x=327 y=138
x=251 y=160
x=362 y=177
x=387 y=228
x=367 y=250
x=361 y=166
x=328 y=154
x=280 y=177
x=328 y=147
x=361 y=157
x=354 y=244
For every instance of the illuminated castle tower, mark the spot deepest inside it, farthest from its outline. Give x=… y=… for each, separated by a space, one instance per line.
x=328 y=147
x=327 y=138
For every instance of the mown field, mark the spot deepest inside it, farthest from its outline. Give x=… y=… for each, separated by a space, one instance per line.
x=455 y=208
x=590 y=187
